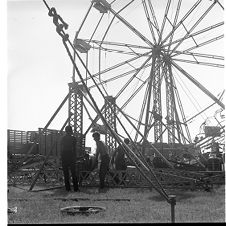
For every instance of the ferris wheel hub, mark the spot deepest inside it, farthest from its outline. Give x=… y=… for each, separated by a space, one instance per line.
x=156 y=50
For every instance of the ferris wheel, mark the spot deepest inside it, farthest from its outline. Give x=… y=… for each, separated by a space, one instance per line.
x=158 y=60
x=136 y=59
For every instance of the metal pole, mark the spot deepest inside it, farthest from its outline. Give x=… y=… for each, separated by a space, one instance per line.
x=172 y=202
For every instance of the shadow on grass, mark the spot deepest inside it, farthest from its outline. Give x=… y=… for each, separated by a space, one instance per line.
x=63 y=192
x=60 y=192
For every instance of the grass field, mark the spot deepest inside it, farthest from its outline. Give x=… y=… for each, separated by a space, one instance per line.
x=126 y=205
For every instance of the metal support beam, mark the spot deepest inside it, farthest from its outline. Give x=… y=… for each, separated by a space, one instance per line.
x=201 y=87
x=75 y=114
x=109 y=114
x=170 y=106
x=157 y=107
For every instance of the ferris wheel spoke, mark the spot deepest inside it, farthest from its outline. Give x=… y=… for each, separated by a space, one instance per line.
x=131 y=79
x=194 y=102
x=95 y=30
x=177 y=96
x=121 y=76
x=179 y=101
x=88 y=11
x=181 y=21
x=117 y=51
x=105 y=34
x=184 y=38
x=174 y=22
x=173 y=117
x=154 y=17
x=200 y=63
x=220 y=4
x=164 y=19
x=180 y=132
x=139 y=122
x=150 y=24
x=117 y=44
x=133 y=29
x=142 y=112
x=215 y=57
x=202 y=44
x=203 y=110
x=142 y=108
x=200 y=86
x=117 y=66
x=194 y=26
x=117 y=77
x=134 y=93
x=210 y=28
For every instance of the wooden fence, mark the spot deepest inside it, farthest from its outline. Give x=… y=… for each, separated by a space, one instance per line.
x=20 y=141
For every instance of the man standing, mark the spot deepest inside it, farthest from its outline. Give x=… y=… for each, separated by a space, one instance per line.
x=102 y=152
x=118 y=157
x=68 y=157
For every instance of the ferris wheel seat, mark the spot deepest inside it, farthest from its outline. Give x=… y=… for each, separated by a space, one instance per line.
x=81 y=45
x=101 y=5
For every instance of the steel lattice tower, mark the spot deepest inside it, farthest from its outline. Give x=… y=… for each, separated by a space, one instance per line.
x=170 y=103
x=155 y=84
x=110 y=109
x=75 y=114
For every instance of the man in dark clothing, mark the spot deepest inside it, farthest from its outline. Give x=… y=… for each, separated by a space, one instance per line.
x=118 y=158
x=102 y=153
x=68 y=157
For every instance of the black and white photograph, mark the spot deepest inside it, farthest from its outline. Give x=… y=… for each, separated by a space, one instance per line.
x=114 y=111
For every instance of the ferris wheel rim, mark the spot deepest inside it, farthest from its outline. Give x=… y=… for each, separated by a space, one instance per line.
x=188 y=52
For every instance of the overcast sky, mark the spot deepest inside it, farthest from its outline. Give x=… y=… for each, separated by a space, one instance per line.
x=36 y=84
